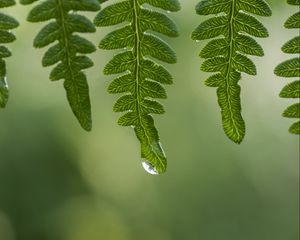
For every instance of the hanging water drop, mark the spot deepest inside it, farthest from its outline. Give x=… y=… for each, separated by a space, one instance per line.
x=3 y=82
x=149 y=168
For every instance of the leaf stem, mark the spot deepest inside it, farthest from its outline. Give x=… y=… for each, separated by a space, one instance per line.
x=229 y=66
x=138 y=79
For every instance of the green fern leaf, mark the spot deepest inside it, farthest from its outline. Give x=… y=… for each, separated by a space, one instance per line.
x=293 y=2
x=232 y=29
x=26 y=2
x=291 y=90
x=292 y=46
x=293 y=21
x=291 y=69
x=292 y=111
x=68 y=48
x=6 y=24
x=295 y=128
x=141 y=78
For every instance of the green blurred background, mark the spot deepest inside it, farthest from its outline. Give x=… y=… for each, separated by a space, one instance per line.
x=58 y=182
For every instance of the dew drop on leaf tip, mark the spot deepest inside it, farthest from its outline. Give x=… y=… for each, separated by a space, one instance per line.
x=3 y=82
x=149 y=168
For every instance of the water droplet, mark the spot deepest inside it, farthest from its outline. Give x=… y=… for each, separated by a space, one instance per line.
x=168 y=11
x=3 y=82
x=149 y=168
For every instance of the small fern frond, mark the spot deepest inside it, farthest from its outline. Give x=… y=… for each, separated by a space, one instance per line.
x=141 y=78
x=6 y=24
x=226 y=55
x=68 y=48
x=291 y=69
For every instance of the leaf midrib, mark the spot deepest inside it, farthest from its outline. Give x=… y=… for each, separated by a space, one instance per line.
x=229 y=68
x=138 y=55
x=68 y=57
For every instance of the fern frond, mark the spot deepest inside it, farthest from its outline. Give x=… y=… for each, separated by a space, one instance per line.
x=68 y=48
x=232 y=29
x=291 y=69
x=141 y=78
x=6 y=24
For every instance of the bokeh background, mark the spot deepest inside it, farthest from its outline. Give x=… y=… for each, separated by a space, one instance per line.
x=58 y=182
